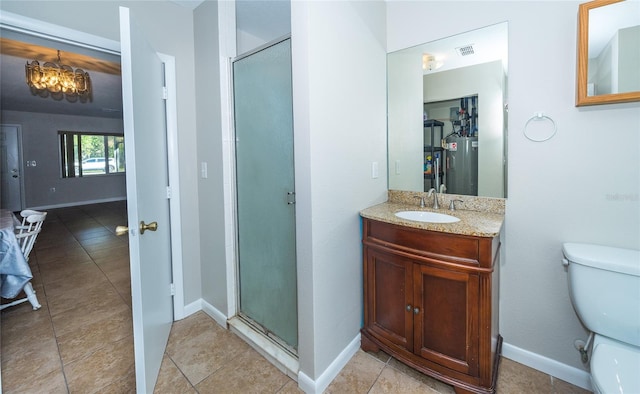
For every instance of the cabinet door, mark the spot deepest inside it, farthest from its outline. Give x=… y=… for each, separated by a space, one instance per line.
x=388 y=297
x=446 y=326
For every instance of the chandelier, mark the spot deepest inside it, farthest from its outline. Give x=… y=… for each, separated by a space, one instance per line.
x=58 y=78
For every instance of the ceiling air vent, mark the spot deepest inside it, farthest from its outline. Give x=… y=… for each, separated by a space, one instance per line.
x=465 y=50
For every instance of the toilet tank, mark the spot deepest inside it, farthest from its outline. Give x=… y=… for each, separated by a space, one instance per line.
x=604 y=284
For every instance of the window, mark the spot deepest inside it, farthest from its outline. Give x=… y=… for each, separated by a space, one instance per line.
x=87 y=154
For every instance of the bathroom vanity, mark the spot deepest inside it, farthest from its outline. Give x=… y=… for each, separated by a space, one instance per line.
x=431 y=294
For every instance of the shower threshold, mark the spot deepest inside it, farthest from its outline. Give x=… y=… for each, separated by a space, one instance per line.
x=277 y=354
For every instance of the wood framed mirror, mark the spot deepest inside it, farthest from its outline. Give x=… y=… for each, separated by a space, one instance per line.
x=608 y=52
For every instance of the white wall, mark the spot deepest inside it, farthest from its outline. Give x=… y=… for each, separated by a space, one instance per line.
x=172 y=33
x=574 y=187
x=209 y=135
x=40 y=143
x=404 y=118
x=339 y=91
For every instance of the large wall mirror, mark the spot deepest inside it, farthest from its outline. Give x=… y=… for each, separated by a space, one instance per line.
x=608 y=52
x=446 y=114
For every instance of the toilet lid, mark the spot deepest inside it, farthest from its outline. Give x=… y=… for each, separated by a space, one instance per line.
x=626 y=261
x=614 y=369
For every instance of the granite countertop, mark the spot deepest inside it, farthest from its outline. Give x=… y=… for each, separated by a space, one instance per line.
x=474 y=223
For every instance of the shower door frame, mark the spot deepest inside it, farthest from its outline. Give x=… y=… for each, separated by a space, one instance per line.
x=254 y=325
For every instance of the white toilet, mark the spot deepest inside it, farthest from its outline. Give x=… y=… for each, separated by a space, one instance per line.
x=604 y=284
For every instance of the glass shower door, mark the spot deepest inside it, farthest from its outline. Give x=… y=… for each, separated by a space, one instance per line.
x=265 y=192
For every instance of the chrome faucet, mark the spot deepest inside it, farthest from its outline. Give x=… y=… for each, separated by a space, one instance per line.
x=452 y=204
x=436 y=205
x=422 y=205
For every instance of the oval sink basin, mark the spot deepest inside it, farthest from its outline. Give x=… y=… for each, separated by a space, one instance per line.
x=428 y=217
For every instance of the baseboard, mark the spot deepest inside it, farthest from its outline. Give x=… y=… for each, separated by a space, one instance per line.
x=78 y=203
x=575 y=376
x=308 y=385
x=213 y=312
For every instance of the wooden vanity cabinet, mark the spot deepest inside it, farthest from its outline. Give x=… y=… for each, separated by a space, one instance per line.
x=431 y=302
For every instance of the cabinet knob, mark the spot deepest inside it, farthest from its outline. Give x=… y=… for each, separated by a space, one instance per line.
x=416 y=310
x=408 y=307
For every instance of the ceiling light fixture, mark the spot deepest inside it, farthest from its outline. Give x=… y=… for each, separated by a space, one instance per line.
x=58 y=78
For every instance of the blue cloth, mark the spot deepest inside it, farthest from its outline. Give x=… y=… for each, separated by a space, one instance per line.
x=14 y=270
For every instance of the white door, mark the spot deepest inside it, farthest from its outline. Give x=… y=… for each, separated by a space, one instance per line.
x=10 y=169
x=147 y=182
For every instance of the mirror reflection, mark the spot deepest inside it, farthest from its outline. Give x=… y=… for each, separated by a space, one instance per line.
x=446 y=114
x=614 y=49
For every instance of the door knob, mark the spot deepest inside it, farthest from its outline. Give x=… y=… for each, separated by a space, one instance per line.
x=121 y=230
x=153 y=226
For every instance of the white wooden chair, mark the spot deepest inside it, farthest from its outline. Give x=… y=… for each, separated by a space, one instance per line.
x=26 y=234
x=28 y=231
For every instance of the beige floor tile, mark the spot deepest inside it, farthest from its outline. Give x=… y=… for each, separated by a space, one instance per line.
x=291 y=388
x=428 y=381
x=81 y=297
x=358 y=376
x=38 y=359
x=117 y=250
x=60 y=240
x=199 y=347
x=49 y=383
x=126 y=385
x=61 y=270
x=21 y=330
x=102 y=243
x=247 y=373
x=85 y=340
x=74 y=319
x=108 y=365
x=380 y=355
x=192 y=326
x=123 y=287
x=562 y=387
x=171 y=379
x=73 y=253
x=117 y=271
x=514 y=378
x=76 y=283
x=116 y=262
x=392 y=381
x=91 y=233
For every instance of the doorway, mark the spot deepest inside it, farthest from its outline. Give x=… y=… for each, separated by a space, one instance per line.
x=265 y=193
x=171 y=194
x=11 y=168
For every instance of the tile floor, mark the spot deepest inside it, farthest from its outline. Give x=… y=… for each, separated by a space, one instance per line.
x=81 y=341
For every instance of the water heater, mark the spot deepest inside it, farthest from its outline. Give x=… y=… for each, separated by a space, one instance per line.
x=462 y=165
